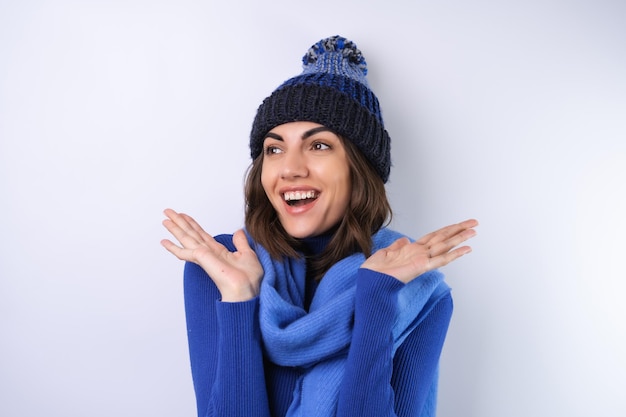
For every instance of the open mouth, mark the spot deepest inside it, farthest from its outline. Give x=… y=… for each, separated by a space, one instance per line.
x=299 y=198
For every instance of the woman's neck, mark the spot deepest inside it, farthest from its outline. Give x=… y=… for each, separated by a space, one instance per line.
x=312 y=246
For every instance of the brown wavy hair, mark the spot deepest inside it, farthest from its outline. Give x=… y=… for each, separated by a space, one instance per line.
x=367 y=212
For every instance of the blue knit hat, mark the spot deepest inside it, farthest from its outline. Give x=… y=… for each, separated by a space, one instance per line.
x=332 y=91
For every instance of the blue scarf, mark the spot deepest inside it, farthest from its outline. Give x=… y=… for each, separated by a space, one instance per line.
x=318 y=341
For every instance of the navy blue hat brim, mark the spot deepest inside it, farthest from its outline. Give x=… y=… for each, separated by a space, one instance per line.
x=329 y=107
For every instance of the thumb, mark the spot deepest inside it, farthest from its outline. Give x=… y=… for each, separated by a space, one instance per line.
x=240 y=240
x=399 y=243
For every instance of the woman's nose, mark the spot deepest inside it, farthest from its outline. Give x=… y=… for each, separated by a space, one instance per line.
x=294 y=165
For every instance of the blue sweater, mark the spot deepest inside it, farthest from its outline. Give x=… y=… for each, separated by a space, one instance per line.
x=232 y=378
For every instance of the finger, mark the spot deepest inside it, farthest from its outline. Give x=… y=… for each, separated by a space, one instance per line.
x=446 y=232
x=169 y=245
x=241 y=241
x=192 y=222
x=188 y=231
x=174 y=249
x=398 y=244
x=455 y=240
x=179 y=219
x=444 y=259
x=174 y=228
x=188 y=238
x=201 y=234
x=205 y=237
x=169 y=212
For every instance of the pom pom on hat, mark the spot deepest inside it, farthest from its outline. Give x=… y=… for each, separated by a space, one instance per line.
x=332 y=90
x=324 y=55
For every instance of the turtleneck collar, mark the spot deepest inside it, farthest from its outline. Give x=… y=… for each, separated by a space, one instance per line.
x=315 y=245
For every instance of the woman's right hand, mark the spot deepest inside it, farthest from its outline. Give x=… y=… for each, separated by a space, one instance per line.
x=237 y=275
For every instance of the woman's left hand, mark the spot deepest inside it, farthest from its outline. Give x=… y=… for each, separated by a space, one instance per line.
x=405 y=260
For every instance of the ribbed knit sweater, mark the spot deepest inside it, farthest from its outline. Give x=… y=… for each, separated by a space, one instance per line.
x=232 y=378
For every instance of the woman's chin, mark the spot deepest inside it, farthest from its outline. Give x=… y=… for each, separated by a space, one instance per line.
x=303 y=231
x=309 y=231
x=300 y=234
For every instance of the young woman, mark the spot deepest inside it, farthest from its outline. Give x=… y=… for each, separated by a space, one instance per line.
x=317 y=309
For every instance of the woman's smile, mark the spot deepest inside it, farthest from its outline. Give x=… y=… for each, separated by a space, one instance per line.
x=299 y=201
x=294 y=198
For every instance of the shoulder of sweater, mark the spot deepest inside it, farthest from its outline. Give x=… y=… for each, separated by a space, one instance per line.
x=444 y=306
x=381 y=286
x=434 y=324
x=226 y=240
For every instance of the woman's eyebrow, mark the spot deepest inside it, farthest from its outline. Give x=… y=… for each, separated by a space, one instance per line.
x=315 y=130
x=305 y=135
x=274 y=136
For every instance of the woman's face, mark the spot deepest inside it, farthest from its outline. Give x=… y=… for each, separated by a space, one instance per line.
x=306 y=177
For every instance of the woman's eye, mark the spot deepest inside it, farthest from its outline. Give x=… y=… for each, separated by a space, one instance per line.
x=319 y=146
x=271 y=150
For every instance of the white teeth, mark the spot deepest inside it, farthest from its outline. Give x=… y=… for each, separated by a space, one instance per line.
x=298 y=195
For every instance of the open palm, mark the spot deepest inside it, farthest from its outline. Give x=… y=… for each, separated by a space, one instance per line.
x=237 y=275
x=405 y=260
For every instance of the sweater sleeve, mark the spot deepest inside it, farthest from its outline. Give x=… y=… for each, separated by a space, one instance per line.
x=224 y=348
x=376 y=382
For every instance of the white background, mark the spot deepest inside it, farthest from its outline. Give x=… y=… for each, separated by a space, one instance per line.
x=513 y=112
